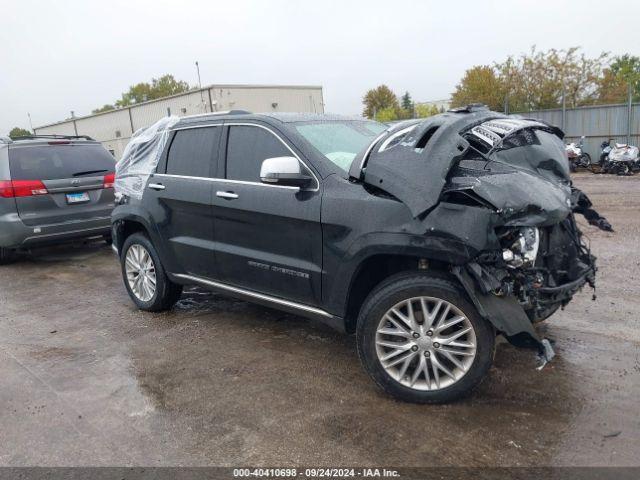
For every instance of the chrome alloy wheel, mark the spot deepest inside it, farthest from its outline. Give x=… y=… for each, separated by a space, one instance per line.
x=141 y=272
x=425 y=343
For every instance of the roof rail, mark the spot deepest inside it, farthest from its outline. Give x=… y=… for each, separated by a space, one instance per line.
x=221 y=112
x=54 y=136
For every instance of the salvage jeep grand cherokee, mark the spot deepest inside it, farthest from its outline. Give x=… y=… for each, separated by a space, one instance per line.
x=427 y=238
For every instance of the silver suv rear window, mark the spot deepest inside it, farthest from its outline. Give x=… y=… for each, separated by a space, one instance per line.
x=50 y=162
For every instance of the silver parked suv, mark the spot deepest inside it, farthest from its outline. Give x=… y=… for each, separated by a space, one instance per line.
x=53 y=188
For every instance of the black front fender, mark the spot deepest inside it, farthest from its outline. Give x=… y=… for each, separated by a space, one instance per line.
x=504 y=313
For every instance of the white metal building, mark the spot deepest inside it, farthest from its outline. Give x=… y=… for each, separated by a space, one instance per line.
x=114 y=128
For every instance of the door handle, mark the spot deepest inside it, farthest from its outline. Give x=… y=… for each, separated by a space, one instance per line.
x=157 y=186
x=227 y=195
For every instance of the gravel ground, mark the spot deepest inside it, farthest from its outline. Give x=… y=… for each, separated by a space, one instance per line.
x=89 y=380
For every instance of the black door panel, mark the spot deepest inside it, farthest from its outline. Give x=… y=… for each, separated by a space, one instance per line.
x=182 y=213
x=180 y=201
x=269 y=240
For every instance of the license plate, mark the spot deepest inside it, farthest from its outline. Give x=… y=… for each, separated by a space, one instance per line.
x=79 y=197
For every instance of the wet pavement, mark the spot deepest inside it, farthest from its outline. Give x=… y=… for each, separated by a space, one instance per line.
x=86 y=379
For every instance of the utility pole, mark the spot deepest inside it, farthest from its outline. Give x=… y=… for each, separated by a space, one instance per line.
x=506 y=93
x=31 y=123
x=564 y=108
x=75 y=126
x=629 y=107
x=200 y=86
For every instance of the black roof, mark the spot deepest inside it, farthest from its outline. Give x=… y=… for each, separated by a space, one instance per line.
x=46 y=139
x=283 y=117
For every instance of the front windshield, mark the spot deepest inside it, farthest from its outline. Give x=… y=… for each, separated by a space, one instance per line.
x=340 y=140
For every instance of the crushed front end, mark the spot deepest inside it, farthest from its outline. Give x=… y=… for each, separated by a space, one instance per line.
x=500 y=186
x=541 y=267
x=539 y=258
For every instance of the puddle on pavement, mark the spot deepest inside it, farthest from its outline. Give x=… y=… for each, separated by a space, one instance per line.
x=296 y=386
x=195 y=299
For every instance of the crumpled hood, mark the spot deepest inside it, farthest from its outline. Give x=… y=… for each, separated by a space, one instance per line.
x=520 y=196
x=527 y=159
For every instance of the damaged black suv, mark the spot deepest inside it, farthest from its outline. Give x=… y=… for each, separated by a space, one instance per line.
x=427 y=239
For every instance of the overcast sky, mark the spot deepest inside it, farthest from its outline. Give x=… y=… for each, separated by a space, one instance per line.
x=64 y=55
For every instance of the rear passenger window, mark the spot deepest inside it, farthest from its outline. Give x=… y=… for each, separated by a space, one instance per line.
x=247 y=148
x=194 y=152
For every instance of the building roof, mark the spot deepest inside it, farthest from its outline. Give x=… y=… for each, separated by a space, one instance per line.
x=189 y=92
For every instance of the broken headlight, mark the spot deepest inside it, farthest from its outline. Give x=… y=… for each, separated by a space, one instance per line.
x=521 y=247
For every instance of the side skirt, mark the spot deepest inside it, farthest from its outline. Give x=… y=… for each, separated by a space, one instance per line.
x=327 y=318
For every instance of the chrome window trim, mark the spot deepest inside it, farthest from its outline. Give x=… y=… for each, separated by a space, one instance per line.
x=369 y=148
x=313 y=174
x=249 y=293
x=197 y=126
x=248 y=124
x=240 y=182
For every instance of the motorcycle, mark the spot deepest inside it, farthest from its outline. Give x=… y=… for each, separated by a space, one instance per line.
x=622 y=159
x=578 y=158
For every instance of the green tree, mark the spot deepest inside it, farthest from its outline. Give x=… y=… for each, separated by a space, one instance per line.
x=105 y=108
x=378 y=99
x=19 y=132
x=141 y=92
x=407 y=102
x=424 y=110
x=158 y=88
x=387 y=114
x=480 y=84
x=534 y=80
x=624 y=70
x=408 y=107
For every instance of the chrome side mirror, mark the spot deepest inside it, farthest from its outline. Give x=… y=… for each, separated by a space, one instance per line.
x=284 y=171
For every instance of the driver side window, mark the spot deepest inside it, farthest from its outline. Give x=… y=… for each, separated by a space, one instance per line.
x=247 y=148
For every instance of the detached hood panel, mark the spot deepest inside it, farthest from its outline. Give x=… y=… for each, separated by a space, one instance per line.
x=416 y=168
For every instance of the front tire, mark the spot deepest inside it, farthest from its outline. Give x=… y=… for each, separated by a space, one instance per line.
x=144 y=276
x=422 y=341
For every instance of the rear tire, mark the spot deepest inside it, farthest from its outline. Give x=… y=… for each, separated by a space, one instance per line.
x=141 y=267
x=420 y=339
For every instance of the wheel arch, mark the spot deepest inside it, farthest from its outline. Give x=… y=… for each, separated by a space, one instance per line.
x=376 y=268
x=122 y=228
